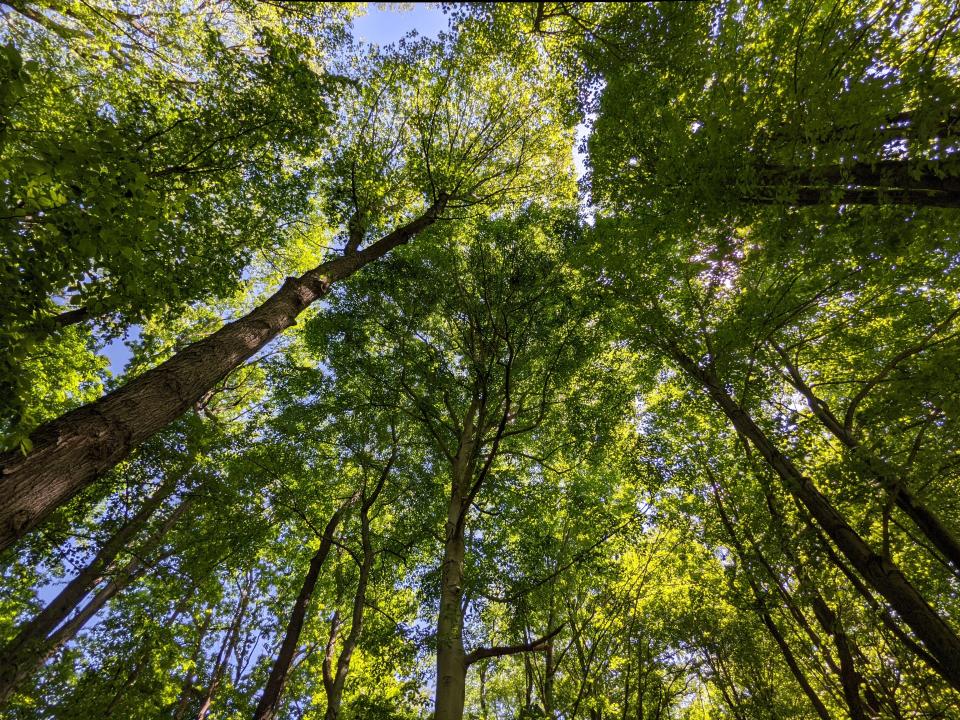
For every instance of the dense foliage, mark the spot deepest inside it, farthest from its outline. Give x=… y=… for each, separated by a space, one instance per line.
x=421 y=422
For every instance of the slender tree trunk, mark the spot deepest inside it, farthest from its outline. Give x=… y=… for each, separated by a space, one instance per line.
x=30 y=655
x=72 y=451
x=880 y=572
x=889 y=479
x=35 y=631
x=226 y=648
x=269 y=703
x=187 y=690
x=829 y=621
x=334 y=686
x=885 y=618
x=768 y=622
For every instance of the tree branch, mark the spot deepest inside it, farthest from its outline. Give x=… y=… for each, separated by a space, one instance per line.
x=500 y=650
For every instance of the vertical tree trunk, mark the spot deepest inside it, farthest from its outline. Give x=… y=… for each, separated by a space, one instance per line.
x=451 y=658
x=28 y=657
x=269 y=703
x=72 y=451
x=881 y=573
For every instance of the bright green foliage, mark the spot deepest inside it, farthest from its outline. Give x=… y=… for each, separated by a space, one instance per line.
x=149 y=153
x=770 y=204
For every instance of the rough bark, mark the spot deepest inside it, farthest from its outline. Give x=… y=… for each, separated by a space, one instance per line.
x=451 y=658
x=269 y=703
x=879 y=572
x=72 y=451
x=30 y=655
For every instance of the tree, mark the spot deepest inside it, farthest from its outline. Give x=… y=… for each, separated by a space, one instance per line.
x=486 y=156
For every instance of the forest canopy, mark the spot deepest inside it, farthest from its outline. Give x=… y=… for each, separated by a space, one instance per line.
x=583 y=361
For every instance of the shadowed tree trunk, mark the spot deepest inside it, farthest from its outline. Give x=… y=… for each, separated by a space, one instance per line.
x=269 y=703
x=35 y=645
x=879 y=572
x=334 y=685
x=451 y=658
x=892 y=481
x=897 y=182
x=768 y=622
x=72 y=451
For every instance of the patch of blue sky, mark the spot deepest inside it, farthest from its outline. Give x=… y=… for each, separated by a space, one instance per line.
x=386 y=23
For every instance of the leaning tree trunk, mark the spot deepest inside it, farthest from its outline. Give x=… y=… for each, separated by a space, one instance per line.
x=67 y=600
x=72 y=451
x=889 y=478
x=880 y=572
x=269 y=703
x=226 y=648
x=765 y=616
x=334 y=685
x=29 y=656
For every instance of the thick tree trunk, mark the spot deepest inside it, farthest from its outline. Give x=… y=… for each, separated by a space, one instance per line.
x=895 y=182
x=880 y=572
x=451 y=658
x=69 y=453
x=269 y=703
x=30 y=655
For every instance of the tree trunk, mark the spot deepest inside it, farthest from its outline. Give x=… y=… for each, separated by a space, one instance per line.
x=269 y=703
x=768 y=622
x=334 y=686
x=226 y=648
x=925 y=519
x=451 y=658
x=186 y=689
x=72 y=451
x=33 y=652
x=881 y=182
x=881 y=573
x=36 y=630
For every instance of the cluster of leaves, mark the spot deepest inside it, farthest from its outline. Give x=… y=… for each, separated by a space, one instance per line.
x=522 y=410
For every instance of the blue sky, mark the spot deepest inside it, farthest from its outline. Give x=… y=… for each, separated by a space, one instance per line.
x=383 y=25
